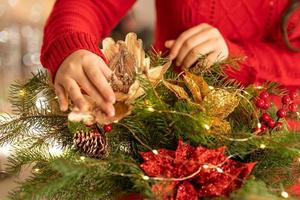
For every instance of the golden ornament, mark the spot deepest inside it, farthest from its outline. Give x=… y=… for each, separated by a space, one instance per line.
x=220 y=103
x=219 y=126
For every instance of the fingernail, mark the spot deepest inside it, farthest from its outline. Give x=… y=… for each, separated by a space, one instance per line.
x=171 y=56
x=111 y=113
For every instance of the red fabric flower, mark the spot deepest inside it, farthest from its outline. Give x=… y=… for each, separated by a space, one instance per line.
x=195 y=172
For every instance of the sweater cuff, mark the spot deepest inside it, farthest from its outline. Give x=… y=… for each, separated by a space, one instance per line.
x=58 y=49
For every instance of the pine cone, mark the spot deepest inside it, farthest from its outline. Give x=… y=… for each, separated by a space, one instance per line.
x=91 y=143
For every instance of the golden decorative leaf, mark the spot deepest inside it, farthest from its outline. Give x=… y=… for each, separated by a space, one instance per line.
x=177 y=90
x=219 y=126
x=194 y=89
x=220 y=103
x=201 y=83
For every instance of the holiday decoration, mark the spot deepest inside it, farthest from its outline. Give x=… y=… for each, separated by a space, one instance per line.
x=192 y=135
x=91 y=143
x=194 y=172
x=127 y=61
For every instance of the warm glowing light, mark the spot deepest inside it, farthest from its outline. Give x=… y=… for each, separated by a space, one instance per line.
x=205 y=166
x=262 y=146
x=284 y=194
x=22 y=93
x=155 y=152
x=36 y=170
x=150 y=109
x=258 y=125
x=220 y=170
x=206 y=126
x=146 y=178
x=82 y=158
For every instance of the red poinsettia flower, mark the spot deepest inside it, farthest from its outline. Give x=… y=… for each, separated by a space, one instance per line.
x=192 y=172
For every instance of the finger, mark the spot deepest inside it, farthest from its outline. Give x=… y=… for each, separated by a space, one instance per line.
x=169 y=43
x=183 y=37
x=191 y=43
x=95 y=75
x=62 y=97
x=212 y=58
x=91 y=90
x=105 y=69
x=196 y=53
x=75 y=94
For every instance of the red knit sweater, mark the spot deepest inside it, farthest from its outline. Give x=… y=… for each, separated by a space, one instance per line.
x=251 y=29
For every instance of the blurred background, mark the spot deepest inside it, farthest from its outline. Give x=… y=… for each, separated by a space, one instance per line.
x=21 y=34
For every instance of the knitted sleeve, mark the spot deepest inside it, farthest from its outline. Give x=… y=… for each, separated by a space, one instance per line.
x=79 y=24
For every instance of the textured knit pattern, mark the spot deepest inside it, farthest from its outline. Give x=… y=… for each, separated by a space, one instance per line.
x=251 y=29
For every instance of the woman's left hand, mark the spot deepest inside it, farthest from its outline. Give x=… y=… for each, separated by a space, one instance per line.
x=201 y=40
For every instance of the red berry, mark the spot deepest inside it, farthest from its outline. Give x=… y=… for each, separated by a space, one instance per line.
x=281 y=113
x=108 y=128
x=285 y=100
x=263 y=128
x=265 y=117
x=293 y=107
x=264 y=95
x=260 y=103
x=279 y=125
x=266 y=106
x=271 y=123
x=293 y=95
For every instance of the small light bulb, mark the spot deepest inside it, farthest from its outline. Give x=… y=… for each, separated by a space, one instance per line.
x=262 y=146
x=146 y=178
x=284 y=194
x=211 y=87
x=36 y=170
x=258 y=125
x=206 y=126
x=219 y=170
x=155 y=152
x=48 y=110
x=22 y=92
x=150 y=109
x=205 y=166
x=82 y=158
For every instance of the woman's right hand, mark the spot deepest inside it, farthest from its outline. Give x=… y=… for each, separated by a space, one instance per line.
x=84 y=70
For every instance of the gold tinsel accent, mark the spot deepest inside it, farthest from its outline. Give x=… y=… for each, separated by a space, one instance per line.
x=219 y=126
x=220 y=103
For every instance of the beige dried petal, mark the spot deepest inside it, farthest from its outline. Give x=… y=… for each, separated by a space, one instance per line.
x=110 y=48
x=156 y=74
x=177 y=90
x=121 y=109
x=135 y=47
